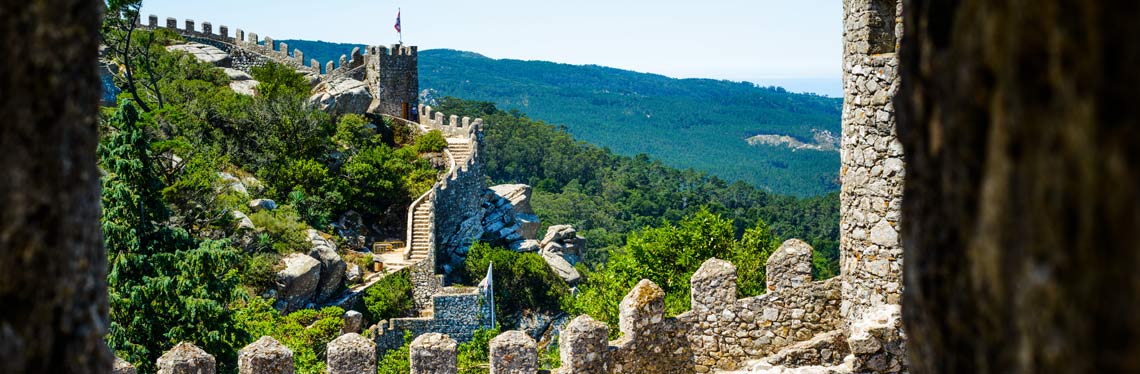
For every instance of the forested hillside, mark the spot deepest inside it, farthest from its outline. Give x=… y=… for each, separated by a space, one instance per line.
x=608 y=196
x=686 y=123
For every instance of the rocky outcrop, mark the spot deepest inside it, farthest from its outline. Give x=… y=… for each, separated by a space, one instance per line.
x=509 y=218
x=297 y=283
x=332 y=266
x=202 y=52
x=262 y=204
x=562 y=248
x=341 y=95
x=241 y=220
x=518 y=198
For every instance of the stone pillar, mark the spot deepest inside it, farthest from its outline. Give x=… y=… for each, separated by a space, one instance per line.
x=514 y=352
x=123 y=367
x=643 y=307
x=224 y=31
x=871 y=159
x=53 y=267
x=353 y=321
x=207 y=28
x=789 y=266
x=433 y=354
x=152 y=20
x=1021 y=126
x=185 y=358
x=171 y=23
x=190 y=26
x=583 y=346
x=713 y=286
x=265 y=356
x=350 y=354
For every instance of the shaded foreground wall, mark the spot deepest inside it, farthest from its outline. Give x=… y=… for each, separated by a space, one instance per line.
x=1021 y=125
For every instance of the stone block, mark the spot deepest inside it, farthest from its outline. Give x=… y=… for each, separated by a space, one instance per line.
x=641 y=309
x=583 y=346
x=514 y=352
x=713 y=286
x=185 y=358
x=351 y=354
x=790 y=266
x=433 y=354
x=265 y=356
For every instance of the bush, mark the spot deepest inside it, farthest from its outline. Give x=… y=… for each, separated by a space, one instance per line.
x=473 y=357
x=433 y=141
x=306 y=332
x=523 y=281
x=284 y=229
x=353 y=132
x=260 y=271
x=397 y=361
x=277 y=80
x=390 y=297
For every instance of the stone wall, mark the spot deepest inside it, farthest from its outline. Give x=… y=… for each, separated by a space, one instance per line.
x=456 y=312
x=457 y=200
x=246 y=49
x=725 y=332
x=872 y=159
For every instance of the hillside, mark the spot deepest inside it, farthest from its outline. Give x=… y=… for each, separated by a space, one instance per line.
x=687 y=123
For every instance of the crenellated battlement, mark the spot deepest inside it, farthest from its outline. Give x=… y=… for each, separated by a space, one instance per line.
x=265 y=47
x=451 y=126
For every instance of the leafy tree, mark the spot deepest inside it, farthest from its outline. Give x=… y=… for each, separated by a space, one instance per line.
x=164 y=286
x=353 y=132
x=523 y=281
x=669 y=256
x=278 y=80
x=433 y=141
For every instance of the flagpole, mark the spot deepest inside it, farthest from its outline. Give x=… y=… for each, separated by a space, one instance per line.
x=401 y=30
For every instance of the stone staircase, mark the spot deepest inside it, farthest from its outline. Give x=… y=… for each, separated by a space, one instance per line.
x=460 y=150
x=420 y=242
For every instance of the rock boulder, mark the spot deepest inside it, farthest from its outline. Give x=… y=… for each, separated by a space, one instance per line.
x=297 y=283
x=342 y=95
x=332 y=266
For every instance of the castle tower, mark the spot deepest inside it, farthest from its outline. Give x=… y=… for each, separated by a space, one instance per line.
x=393 y=78
x=872 y=159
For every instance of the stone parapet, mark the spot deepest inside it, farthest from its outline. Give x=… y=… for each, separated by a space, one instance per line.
x=433 y=354
x=186 y=358
x=265 y=356
x=513 y=352
x=351 y=354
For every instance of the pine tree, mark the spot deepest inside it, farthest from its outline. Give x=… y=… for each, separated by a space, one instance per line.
x=164 y=286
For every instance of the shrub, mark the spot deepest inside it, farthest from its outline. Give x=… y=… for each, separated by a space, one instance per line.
x=397 y=361
x=523 y=281
x=390 y=297
x=433 y=141
x=277 y=80
x=473 y=357
x=260 y=271
x=283 y=227
x=306 y=332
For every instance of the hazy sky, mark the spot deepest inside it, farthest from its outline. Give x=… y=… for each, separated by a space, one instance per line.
x=765 y=41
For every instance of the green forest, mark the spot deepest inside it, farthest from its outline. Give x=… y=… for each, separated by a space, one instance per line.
x=685 y=123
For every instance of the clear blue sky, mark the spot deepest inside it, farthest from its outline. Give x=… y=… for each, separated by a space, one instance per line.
x=794 y=43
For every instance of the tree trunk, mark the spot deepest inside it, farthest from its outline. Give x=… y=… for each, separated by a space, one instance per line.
x=53 y=293
x=1021 y=127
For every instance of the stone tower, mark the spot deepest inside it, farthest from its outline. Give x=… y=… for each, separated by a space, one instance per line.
x=393 y=78
x=872 y=158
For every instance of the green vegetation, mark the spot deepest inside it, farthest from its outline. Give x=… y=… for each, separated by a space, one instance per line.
x=523 y=281
x=306 y=332
x=390 y=297
x=607 y=197
x=669 y=256
x=180 y=269
x=396 y=361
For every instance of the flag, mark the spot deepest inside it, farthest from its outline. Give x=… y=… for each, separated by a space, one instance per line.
x=398 y=21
